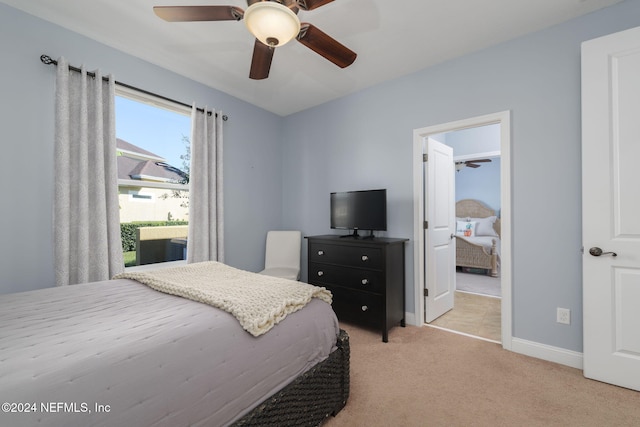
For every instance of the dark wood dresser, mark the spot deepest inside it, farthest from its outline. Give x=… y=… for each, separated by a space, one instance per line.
x=365 y=276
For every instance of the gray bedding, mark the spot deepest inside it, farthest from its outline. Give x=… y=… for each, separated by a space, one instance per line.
x=118 y=353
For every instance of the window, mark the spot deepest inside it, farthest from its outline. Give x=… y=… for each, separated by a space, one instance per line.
x=153 y=177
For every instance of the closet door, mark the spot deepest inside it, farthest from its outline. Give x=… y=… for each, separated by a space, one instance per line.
x=611 y=208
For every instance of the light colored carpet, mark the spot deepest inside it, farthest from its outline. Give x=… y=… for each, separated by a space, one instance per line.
x=478 y=283
x=429 y=377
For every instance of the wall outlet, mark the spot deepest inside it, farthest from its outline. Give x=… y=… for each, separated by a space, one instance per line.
x=563 y=316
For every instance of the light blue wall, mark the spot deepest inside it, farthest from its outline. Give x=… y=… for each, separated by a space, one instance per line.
x=481 y=183
x=365 y=141
x=279 y=172
x=252 y=152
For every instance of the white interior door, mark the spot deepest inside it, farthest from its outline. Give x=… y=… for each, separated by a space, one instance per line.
x=611 y=208
x=440 y=248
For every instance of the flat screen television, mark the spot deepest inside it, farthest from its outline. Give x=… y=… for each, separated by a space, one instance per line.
x=359 y=210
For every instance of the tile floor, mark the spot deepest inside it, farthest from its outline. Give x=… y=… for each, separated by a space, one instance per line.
x=473 y=314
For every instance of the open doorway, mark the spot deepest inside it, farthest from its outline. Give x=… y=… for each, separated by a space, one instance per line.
x=467 y=156
x=477 y=306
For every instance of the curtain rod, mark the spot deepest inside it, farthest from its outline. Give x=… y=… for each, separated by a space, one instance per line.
x=46 y=59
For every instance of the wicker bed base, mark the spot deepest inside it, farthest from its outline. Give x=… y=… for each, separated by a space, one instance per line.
x=311 y=398
x=475 y=256
x=470 y=254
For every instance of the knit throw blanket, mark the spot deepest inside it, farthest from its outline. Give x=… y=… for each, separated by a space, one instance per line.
x=258 y=302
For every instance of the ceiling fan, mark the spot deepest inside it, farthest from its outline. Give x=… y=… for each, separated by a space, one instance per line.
x=470 y=164
x=273 y=23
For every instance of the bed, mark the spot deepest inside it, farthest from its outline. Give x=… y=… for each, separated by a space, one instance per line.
x=477 y=237
x=118 y=353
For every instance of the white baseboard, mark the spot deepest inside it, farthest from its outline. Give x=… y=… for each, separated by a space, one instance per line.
x=410 y=319
x=547 y=352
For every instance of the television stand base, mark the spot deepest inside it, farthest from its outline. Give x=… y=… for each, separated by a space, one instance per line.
x=355 y=235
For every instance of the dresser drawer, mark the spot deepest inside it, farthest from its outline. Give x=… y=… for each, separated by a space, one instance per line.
x=353 y=278
x=359 y=307
x=366 y=277
x=348 y=255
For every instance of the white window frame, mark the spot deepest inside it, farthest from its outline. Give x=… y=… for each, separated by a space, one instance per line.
x=157 y=102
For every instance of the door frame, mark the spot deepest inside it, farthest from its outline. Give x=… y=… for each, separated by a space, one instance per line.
x=504 y=119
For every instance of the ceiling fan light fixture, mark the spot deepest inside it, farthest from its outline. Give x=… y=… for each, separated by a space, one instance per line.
x=272 y=23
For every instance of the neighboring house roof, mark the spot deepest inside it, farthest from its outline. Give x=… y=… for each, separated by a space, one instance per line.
x=139 y=164
x=130 y=150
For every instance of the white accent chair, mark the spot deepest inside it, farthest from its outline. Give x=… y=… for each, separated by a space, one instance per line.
x=282 y=256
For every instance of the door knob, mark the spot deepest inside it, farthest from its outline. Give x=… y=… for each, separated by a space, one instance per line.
x=596 y=251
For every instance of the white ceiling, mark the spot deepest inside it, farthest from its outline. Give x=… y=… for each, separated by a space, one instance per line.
x=391 y=37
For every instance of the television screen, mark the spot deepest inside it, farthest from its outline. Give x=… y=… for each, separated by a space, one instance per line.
x=359 y=210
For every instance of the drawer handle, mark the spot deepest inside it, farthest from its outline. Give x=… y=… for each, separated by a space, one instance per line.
x=365 y=258
x=320 y=253
x=365 y=308
x=320 y=273
x=365 y=281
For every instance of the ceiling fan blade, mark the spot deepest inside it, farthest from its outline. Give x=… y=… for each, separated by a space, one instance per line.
x=261 y=61
x=312 y=4
x=199 y=13
x=481 y=160
x=472 y=165
x=325 y=45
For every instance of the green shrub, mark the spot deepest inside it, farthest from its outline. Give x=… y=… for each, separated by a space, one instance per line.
x=128 y=231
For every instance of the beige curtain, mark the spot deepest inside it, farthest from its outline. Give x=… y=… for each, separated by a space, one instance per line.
x=86 y=214
x=206 y=222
